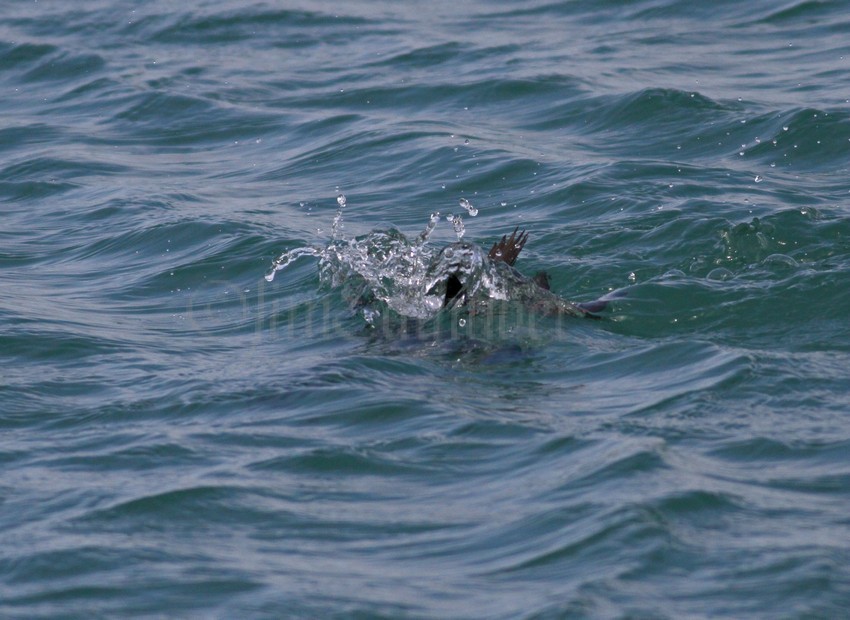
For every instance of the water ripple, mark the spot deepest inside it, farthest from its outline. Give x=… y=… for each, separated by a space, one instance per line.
x=182 y=437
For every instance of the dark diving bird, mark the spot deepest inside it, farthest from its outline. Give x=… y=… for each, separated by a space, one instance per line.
x=462 y=269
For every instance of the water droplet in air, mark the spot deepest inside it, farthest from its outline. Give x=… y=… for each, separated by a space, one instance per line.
x=340 y=200
x=462 y=322
x=457 y=224
x=468 y=206
x=632 y=277
x=758 y=179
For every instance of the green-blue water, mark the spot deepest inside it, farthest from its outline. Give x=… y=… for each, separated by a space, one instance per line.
x=180 y=438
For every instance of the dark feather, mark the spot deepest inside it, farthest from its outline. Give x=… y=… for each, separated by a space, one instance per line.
x=508 y=248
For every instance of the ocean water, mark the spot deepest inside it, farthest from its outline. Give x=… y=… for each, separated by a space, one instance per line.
x=181 y=438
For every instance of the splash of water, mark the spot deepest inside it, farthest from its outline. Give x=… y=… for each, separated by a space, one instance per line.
x=409 y=278
x=290 y=256
x=457 y=221
x=468 y=206
x=457 y=224
x=429 y=228
x=337 y=226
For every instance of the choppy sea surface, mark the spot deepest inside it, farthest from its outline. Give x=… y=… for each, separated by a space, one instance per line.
x=180 y=437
